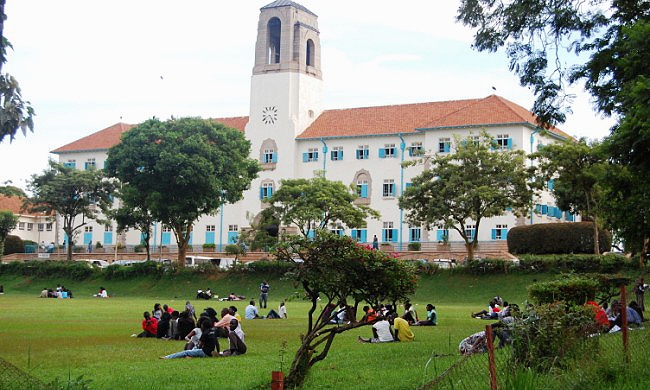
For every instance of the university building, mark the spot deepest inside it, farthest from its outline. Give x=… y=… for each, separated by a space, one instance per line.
x=294 y=136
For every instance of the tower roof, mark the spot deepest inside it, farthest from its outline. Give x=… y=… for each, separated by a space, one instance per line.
x=287 y=3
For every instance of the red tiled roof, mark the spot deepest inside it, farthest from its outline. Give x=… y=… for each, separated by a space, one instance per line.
x=103 y=139
x=406 y=118
x=358 y=122
x=15 y=205
x=110 y=136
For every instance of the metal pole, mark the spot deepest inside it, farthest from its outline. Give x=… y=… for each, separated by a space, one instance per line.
x=492 y=365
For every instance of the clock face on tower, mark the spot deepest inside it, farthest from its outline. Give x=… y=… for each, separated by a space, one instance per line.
x=269 y=115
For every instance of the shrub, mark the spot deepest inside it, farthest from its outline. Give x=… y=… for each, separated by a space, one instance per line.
x=75 y=270
x=13 y=244
x=489 y=266
x=556 y=238
x=138 y=248
x=233 y=249
x=609 y=263
x=552 y=334
x=573 y=290
x=414 y=246
x=209 y=246
x=98 y=245
x=135 y=270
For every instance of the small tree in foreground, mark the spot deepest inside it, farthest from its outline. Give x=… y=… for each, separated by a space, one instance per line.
x=338 y=272
x=8 y=222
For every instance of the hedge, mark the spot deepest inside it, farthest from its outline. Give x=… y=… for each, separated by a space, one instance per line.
x=13 y=244
x=573 y=290
x=76 y=270
x=557 y=238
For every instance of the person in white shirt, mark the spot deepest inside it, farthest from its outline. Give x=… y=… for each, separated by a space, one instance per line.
x=381 y=332
x=282 y=310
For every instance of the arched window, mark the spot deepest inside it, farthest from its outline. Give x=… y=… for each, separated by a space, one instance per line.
x=269 y=152
x=310 y=52
x=363 y=184
x=274 y=34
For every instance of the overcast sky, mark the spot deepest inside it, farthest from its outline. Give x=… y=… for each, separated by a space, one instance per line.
x=86 y=65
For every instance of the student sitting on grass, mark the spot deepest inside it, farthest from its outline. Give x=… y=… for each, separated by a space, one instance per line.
x=208 y=344
x=381 y=332
x=235 y=340
x=432 y=317
x=149 y=326
x=403 y=331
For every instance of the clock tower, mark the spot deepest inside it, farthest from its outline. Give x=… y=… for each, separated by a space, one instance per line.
x=286 y=86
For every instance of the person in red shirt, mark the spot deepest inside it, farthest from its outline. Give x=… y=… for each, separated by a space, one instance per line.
x=149 y=326
x=599 y=314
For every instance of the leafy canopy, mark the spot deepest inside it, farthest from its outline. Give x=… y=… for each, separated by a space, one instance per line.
x=183 y=168
x=315 y=204
x=71 y=193
x=476 y=181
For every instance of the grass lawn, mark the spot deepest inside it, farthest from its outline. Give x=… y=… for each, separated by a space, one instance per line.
x=61 y=338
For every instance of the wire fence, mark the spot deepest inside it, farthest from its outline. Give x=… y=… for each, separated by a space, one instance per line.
x=492 y=365
x=12 y=377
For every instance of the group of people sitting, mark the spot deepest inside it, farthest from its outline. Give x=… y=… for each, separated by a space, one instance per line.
x=385 y=316
x=251 y=312
x=102 y=293
x=200 y=335
x=59 y=292
x=610 y=317
x=497 y=309
x=204 y=294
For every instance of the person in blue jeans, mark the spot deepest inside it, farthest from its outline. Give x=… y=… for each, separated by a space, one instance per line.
x=208 y=344
x=264 y=294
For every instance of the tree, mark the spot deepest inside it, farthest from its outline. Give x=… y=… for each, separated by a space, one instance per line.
x=541 y=36
x=473 y=183
x=334 y=272
x=182 y=169
x=315 y=204
x=70 y=193
x=575 y=168
x=8 y=190
x=14 y=112
x=133 y=213
x=8 y=222
x=624 y=207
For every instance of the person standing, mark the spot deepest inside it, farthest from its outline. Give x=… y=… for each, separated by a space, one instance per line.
x=264 y=294
x=375 y=242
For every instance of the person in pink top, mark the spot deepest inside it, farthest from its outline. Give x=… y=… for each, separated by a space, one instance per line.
x=223 y=325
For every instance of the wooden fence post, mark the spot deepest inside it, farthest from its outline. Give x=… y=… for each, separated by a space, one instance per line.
x=624 y=326
x=277 y=380
x=492 y=365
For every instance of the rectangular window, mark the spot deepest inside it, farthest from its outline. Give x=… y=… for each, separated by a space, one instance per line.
x=360 y=235
x=415 y=234
x=362 y=188
x=389 y=188
x=338 y=231
x=470 y=231
x=388 y=234
x=48 y=226
x=504 y=141
x=363 y=152
x=70 y=164
x=266 y=191
x=30 y=227
x=108 y=228
x=444 y=145
x=88 y=229
x=388 y=151
x=269 y=156
x=500 y=232
x=442 y=235
x=21 y=225
x=416 y=149
x=41 y=227
x=311 y=155
x=233 y=228
x=90 y=164
x=337 y=153
x=209 y=228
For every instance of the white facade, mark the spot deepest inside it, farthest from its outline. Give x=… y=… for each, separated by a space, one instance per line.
x=286 y=103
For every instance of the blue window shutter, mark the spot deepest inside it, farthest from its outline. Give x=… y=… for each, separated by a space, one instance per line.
x=364 y=235
x=315 y=156
x=88 y=237
x=538 y=208
x=393 y=190
x=311 y=234
x=544 y=209
x=408 y=184
x=189 y=242
x=364 y=190
x=354 y=233
x=269 y=192
x=340 y=155
x=261 y=192
x=86 y=166
x=446 y=147
x=305 y=157
x=394 y=235
x=494 y=234
x=359 y=154
x=108 y=238
x=440 y=235
x=382 y=153
x=209 y=237
x=141 y=238
x=366 y=152
x=551 y=184
x=384 y=235
x=274 y=157
x=410 y=152
x=166 y=238
x=504 y=234
x=233 y=237
x=509 y=143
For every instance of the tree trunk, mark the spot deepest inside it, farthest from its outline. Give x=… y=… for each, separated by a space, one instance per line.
x=596 y=240
x=2 y=249
x=470 y=250
x=70 y=245
x=300 y=366
x=642 y=256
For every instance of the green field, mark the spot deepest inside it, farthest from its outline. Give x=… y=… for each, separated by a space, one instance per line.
x=62 y=338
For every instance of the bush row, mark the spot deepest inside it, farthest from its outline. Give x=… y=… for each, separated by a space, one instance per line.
x=548 y=238
x=48 y=269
